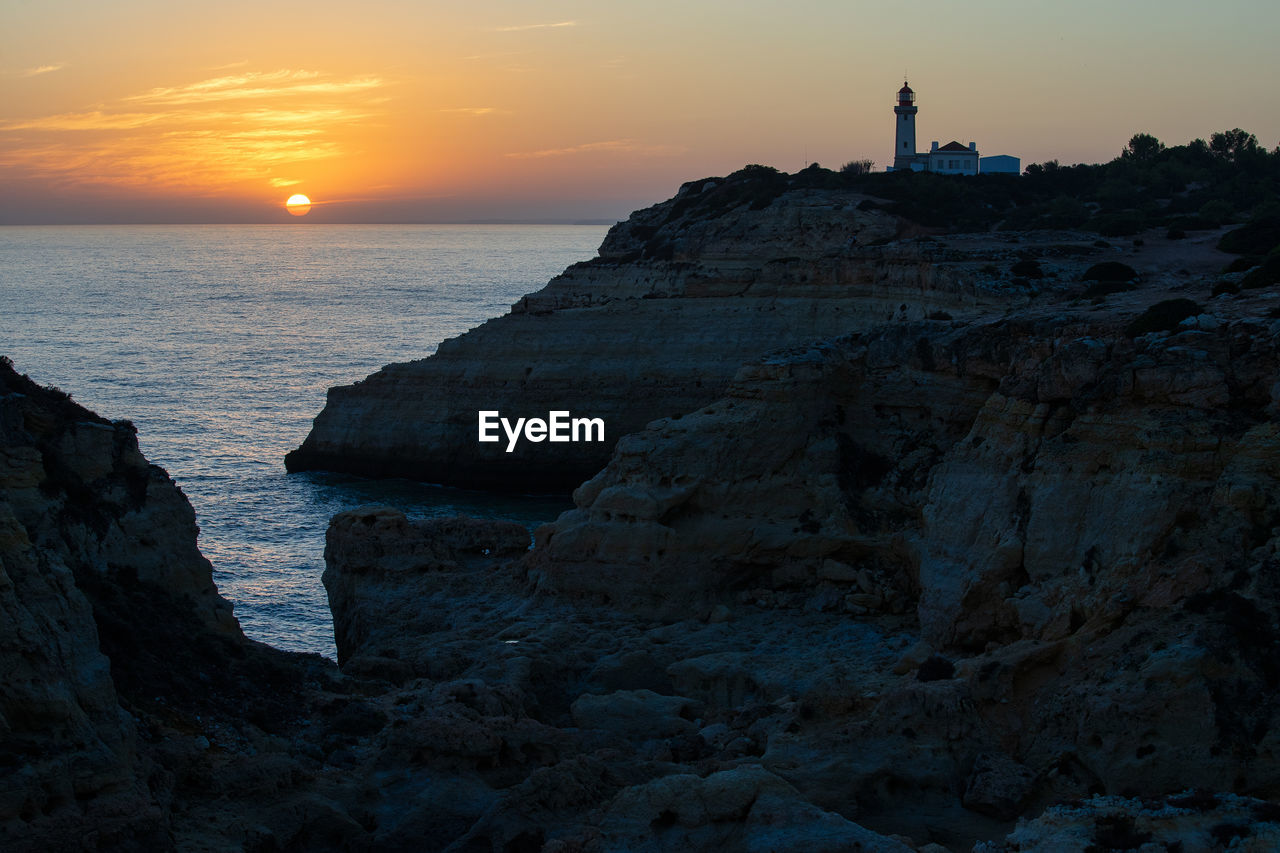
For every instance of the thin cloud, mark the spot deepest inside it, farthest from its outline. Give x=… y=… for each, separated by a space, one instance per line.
x=259 y=133
x=253 y=85
x=625 y=146
x=522 y=27
x=43 y=69
x=226 y=82
x=87 y=121
x=471 y=111
x=284 y=182
x=98 y=120
x=319 y=117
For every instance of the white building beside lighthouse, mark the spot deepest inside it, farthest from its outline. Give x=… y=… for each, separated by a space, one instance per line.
x=950 y=159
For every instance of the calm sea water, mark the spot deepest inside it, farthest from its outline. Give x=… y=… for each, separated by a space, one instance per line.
x=219 y=343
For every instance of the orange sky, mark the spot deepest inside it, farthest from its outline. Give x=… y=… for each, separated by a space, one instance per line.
x=139 y=110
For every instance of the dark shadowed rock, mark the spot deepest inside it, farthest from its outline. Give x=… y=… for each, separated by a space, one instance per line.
x=936 y=668
x=134 y=714
x=998 y=786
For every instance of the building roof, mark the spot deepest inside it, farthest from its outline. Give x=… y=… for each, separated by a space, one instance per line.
x=905 y=88
x=956 y=146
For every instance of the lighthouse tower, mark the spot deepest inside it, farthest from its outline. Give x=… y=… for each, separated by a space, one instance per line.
x=904 y=145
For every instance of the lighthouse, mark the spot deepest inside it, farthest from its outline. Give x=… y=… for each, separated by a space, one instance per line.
x=954 y=158
x=904 y=145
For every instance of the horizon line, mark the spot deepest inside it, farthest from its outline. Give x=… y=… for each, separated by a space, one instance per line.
x=296 y=222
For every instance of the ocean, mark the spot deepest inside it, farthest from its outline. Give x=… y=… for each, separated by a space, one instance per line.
x=219 y=343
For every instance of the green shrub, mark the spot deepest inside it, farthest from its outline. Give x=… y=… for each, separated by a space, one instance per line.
x=1217 y=211
x=1254 y=238
x=1126 y=223
x=858 y=167
x=1264 y=276
x=755 y=186
x=1162 y=317
x=1105 y=288
x=1027 y=269
x=1110 y=271
x=1248 y=262
x=1189 y=223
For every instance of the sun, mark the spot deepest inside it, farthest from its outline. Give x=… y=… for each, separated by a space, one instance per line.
x=298 y=205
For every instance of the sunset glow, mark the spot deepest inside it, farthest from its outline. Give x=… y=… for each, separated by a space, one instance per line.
x=570 y=110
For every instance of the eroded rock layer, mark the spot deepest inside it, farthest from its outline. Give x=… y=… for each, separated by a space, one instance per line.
x=1081 y=525
x=935 y=578
x=135 y=716
x=543 y=724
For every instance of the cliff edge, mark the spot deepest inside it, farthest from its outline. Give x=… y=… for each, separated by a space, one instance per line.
x=680 y=295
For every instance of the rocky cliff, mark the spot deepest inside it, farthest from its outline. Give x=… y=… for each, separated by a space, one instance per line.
x=679 y=297
x=563 y=727
x=930 y=580
x=134 y=714
x=90 y=531
x=1073 y=526
x=987 y=562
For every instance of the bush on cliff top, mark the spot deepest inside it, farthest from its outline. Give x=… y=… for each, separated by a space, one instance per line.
x=754 y=186
x=1124 y=223
x=1110 y=271
x=1106 y=288
x=858 y=167
x=1162 y=317
x=1027 y=269
x=1264 y=276
x=1257 y=237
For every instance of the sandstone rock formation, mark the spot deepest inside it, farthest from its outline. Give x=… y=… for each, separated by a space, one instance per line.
x=977 y=564
x=1192 y=820
x=86 y=524
x=1084 y=523
x=134 y=714
x=934 y=577
x=679 y=297
x=562 y=727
